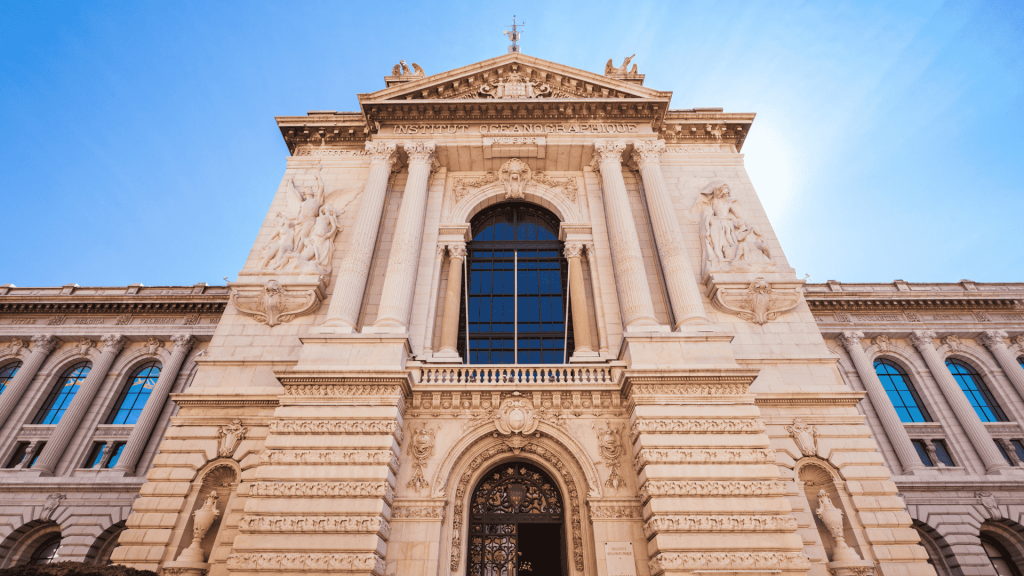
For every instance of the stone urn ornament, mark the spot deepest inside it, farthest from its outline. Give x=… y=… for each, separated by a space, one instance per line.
x=202 y=520
x=845 y=561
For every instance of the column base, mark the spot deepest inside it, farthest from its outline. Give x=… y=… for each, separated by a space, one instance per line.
x=641 y=328
x=446 y=356
x=340 y=327
x=585 y=355
x=386 y=328
x=186 y=568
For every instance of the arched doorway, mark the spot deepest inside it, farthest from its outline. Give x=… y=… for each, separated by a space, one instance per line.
x=517 y=524
x=516 y=288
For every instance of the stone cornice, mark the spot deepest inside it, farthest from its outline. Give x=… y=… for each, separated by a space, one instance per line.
x=706 y=126
x=187 y=400
x=72 y=299
x=847 y=399
x=876 y=302
x=325 y=129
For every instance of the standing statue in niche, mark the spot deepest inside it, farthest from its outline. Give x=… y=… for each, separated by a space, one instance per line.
x=729 y=243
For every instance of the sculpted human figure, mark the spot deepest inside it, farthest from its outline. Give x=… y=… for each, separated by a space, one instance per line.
x=281 y=244
x=316 y=254
x=310 y=201
x=729 y=243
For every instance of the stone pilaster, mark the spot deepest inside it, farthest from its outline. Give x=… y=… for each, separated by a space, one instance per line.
x=708 y=479
x=42 y=345
x=627 y=259
x=924 y=341
x=995 y=341
x=683 y=293
x=400 y=278
x=452 y=299
x=894 y=430
x=72 y=418
x=350 y=283
x=595 y=283
x=154 y=405
x=578 y=301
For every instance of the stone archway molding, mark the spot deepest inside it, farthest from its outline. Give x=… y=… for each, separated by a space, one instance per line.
x=553 y=198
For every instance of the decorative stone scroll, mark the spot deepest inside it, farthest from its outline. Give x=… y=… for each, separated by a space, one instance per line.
x=316 y=524
x=294 y=562
x=729 y=561
x=609 y=443
x=655 y=426
x=719 y=523
x=274 y=304
x=421 y=449
x=323 y=489
x=702 y=456
x=230 y=437
x=759 y=302
x=729 y=243
x=332 y=457
x=805 y=435
x=463 y=187
x=654 y=488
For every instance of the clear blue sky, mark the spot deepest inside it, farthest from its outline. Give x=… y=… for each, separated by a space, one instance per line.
x=139 y=142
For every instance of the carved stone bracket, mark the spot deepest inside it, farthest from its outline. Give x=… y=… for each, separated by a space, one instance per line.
x=758 y=301
x=274 y=303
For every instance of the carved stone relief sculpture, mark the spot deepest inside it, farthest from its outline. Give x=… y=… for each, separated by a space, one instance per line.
x=421 y=448
x=805 y=435
x=514 y=176
x=728 y=244
x=845 y=560
x=402 y=69
x=50 y=506
x=990 y=504
x=230 y=437
x=759 y=302
x=274 y=304
x=611 y=70
x=514 y=85
x=609 y=443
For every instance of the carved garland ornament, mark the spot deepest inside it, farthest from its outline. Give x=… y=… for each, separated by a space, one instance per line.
x=719 y=523
x=729 y=561
x=274 y=304
x=329 y=489
x=654 y=488
x=547 y=455
x=609 y=443
x=316 y=524
x=321 y=562
x=421 y=449
x=758 y=303
x=705 y=456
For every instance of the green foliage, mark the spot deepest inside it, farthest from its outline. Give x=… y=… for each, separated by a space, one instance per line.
x=74 y=569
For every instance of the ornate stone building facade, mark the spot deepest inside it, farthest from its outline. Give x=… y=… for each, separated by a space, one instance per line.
x=515 y=318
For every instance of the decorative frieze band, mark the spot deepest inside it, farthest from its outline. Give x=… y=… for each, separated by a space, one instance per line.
x=729 y=561
x=725 y=389
x=654 y=488
x=341 y=390
x=645 y=426
x=702 y=456
x=321 y=562
x=337 y=427
x=616 y=512
x=719 y=523
x=417 y=512
x=322 y=489
x=329 y=457
x=316 y=524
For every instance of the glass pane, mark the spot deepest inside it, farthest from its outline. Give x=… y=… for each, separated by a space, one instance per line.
x=942 y=453
x=919 y=445
x=901 y=392
x=135 y=395
x=62 y=394
x=7 y=374
x=976 y=391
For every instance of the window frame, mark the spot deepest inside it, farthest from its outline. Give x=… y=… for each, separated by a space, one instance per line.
x=6 y=379
x=982 y=389
x=55 y=393
x=122 y=396
x=911 y=389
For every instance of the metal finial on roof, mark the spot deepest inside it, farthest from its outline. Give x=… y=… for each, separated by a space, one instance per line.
x=513 y=35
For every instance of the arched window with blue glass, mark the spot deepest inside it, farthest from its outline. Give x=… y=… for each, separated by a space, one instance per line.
x=62 y=393
x=134 y=395
x=7 y=374
x=901 y=392
x=516 y=288
x=976 y=391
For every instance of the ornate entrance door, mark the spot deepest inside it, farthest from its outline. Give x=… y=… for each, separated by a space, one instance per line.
x=516 y=524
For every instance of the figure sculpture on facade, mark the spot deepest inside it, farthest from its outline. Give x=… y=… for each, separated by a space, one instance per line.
x=402 y=69
x=611 y=70
x=514 y=176
x=729 y=243
x=50 y=506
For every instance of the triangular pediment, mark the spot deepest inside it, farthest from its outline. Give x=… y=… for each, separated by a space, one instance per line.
x=513 y=77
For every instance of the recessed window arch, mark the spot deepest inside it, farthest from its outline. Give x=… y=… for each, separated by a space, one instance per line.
x=134 y=394
x=46 y=551
x=7 y=374
x=976 y=391
x=901 y=391
x=516 y=288
x=999 y=556
x=62 y=393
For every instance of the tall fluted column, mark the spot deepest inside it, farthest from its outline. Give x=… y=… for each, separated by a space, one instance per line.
x=924 y=341
x=995 y=341
x=350 y=283
x=894 y=429
x=627 y=259
x=400 y=278
x=154 y=405
x=683 y=293
x=452 y=299
x=578 y=301
x=68 y=425
x=42 y=345
x=595 y=283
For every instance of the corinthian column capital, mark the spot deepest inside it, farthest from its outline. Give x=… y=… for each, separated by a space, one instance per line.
x=382 y=153
x=421 y=152
x=44 y=343
x=183 y=341
x=573 y=250
x=993 y=339
x=851 y=338
x=647 y=152
x=457 y=250
x=923 y=339
x=113 y=342
x=608 y=152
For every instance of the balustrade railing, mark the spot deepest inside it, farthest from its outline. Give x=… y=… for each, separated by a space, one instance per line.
x=520 y=374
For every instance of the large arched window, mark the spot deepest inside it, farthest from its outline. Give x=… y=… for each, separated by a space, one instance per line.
x=999 y=556
x=46 y=552
x=516 y=288
x=62 y=393
x=134 y=395
x=7 y=374
x=901 y=392
x=977 y=393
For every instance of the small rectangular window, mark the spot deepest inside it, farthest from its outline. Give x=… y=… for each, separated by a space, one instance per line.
x=95 y=455
x=35 y=456
x=942 y=452
x=1003 y=452
x=1018 y=447
x=923 y=453
x=115 y=455
x=19 y=454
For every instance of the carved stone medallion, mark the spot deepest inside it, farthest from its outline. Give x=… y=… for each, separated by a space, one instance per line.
x=273 y=303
